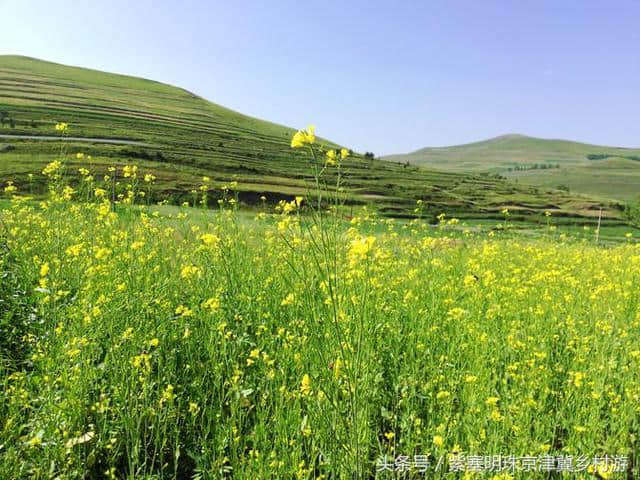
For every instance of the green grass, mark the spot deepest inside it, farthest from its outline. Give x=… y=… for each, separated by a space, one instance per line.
x=189 y=138
x=612 y=173
x=611 y=178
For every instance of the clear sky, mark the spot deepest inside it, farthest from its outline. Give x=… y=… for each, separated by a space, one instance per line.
x=383 y=76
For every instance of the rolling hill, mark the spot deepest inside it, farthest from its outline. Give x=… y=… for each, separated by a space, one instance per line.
x=608 y=172
x=181 y=137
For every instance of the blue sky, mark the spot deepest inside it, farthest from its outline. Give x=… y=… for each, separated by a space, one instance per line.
x=386 y=77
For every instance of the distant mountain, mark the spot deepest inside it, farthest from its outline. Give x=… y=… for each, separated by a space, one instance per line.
x=611 y=172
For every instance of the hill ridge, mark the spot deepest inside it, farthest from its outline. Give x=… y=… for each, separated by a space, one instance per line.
x=515 y=136
x=604 y=171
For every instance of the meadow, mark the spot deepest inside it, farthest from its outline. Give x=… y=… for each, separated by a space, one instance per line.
x=145 y=341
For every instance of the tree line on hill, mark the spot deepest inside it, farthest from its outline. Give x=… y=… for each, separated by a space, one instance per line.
x=7 y=120
x=604 y=156
x=535 y=166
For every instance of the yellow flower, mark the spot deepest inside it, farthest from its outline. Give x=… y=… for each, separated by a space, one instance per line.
x=193 y=408
x=127 y=333
x=496 y=416
x=360 y=248
x=298 y=140
x=502 y=476
x=189 y=271
x=302 y=137
x=492 y=401
x=62 y=127
x=44 y=269
x=102 y=253
x=438 y=441
x=142 y=361
x=305 y=385
x=442 y=394
x=331 y=157
x=288 y=300
x=389 y=435
x=253 y=356
x=209 y=239
x=35 y=441
x=344 y=153
x=183 y=311
x=52 y=168
x=167 y=395
x=130 y=171
x=603 y=470
x=154 y=342
x=68 y=192
x=288 y=207
x=212 y=304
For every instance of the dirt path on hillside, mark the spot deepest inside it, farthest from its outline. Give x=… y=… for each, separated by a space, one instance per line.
x=49 y=138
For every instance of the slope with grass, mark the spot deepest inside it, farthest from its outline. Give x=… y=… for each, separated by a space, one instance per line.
x=181 y=137
x=609 y=172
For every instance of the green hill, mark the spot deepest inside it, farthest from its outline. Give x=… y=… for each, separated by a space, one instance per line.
x=181 y=137
x=609 y=172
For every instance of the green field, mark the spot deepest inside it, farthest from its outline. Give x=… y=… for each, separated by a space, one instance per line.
x=181 y=137
x=606 y=172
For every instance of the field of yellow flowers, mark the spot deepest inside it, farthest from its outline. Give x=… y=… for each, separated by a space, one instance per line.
x=145 y=342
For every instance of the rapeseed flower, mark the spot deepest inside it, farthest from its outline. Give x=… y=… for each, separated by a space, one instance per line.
x=304 y=137
x=305 y=385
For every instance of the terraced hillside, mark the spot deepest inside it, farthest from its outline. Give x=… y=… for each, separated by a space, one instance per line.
x=609 y=172
x=181 y=137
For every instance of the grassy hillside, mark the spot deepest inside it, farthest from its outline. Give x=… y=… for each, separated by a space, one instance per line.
x=608 y=172
x=181 y=137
